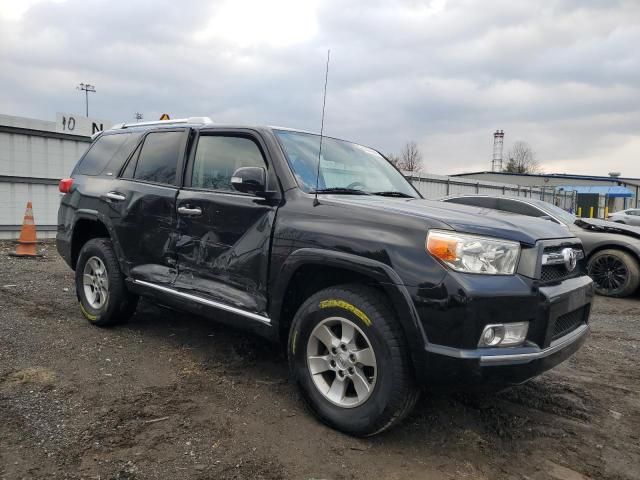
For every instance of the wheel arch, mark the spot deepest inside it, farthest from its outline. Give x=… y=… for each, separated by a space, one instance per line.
x=309 y=270
x=621 y=248
x=614 y=246
x=91 y=224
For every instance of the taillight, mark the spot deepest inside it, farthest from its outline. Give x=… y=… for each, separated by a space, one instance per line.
x=65 y=185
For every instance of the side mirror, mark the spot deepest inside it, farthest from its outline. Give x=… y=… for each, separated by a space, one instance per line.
x=249 y=180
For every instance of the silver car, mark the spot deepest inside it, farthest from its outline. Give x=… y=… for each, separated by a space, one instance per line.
x=630 y=216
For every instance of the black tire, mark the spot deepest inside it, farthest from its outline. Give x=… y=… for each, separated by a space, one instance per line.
x=120 y=304
x=394 y=392
x=613 y=259
x=619 y=221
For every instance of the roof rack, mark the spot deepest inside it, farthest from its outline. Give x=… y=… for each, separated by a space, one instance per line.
x=163 y=122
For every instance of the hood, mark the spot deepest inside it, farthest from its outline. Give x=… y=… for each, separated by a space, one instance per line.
x=596 y=225
x=462 y=218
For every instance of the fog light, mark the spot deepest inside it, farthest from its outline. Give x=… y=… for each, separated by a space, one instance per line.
x=489 y=336
x=504 y=334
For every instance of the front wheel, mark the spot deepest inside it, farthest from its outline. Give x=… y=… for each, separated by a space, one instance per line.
x=100 y=288
x=615 y=273
x=349 y=357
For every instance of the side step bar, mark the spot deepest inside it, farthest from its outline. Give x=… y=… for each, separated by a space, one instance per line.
x=206 y=301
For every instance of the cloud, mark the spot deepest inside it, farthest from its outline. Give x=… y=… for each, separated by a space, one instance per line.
x=562 y=75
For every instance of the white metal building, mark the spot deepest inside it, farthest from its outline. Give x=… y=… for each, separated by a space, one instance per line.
x=34 y=156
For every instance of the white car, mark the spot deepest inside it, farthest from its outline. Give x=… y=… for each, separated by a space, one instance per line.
x=630 y=216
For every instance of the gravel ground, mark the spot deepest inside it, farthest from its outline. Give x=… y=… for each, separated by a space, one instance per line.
x=176 y=396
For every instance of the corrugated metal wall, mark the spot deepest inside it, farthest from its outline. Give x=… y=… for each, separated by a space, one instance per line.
x=33 y=158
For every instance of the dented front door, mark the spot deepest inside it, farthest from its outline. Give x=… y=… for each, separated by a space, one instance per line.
x=223 y=235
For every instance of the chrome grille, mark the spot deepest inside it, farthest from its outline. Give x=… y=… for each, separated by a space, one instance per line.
x=554 y=267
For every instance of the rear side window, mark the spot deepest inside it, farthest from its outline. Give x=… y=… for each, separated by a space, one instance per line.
x=217 y=157
x=107 y=154
x=519 y=207
x=159 y=156
x=482 y=202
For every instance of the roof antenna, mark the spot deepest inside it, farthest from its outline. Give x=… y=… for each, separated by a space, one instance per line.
x=324 y=102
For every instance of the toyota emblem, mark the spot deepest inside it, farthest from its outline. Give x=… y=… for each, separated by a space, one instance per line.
x=570 y=259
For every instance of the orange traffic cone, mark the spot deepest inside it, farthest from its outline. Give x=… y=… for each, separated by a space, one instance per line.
x=27 y=241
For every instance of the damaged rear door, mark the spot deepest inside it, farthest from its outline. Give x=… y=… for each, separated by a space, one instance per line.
x=143 y=206
x=224 y=235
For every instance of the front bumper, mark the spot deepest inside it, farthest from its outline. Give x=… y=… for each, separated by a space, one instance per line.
x=513 y=355
x=465 y=366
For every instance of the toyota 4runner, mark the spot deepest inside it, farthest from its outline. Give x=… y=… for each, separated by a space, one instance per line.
x=375 y=291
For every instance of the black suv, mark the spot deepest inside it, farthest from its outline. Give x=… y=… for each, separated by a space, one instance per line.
x=374 y=290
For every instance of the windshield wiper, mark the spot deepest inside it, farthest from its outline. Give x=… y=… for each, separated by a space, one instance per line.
x=393 y=194
x=341 y=190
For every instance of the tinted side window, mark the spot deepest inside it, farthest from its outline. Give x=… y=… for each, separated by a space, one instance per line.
x=519 y=207
x=107 y=154
x=217 y=157
x=158 y=158
x=482 y=202
x=131 y=166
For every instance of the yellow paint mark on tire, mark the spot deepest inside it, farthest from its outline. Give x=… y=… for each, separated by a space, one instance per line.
x=87 y=314
x=293 y=341
x=347 y=306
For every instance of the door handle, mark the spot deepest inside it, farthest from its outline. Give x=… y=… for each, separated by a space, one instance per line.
x=118 y=197
x=191 y=211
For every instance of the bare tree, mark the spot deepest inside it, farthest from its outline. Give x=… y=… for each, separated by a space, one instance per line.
x=410 y=158
x=394 y=159
x=522 y=159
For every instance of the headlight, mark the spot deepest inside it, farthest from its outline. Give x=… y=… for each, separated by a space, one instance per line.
x=473 y=254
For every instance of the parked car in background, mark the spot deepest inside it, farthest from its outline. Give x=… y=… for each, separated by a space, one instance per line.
x=630 y=216
x=612 y=250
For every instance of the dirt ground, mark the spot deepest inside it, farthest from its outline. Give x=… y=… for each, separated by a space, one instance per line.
x=175 y=396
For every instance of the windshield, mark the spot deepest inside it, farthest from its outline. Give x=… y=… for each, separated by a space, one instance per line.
x=562 y=215
x=343 y=166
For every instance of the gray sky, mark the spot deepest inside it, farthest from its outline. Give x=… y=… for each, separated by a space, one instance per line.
x=561 y=75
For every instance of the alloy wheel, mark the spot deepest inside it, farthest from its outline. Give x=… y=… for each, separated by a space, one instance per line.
x=95 y=282
x=608 y=272
x=341 y=362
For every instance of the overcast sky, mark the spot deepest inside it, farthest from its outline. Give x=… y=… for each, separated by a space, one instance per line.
x=561 y=75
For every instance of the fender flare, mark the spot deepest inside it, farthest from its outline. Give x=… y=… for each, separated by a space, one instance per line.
x=97 y=216
x=395 y=289
x=630 y=247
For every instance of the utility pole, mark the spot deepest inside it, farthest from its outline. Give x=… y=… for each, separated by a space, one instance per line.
x=138 y=116
x=86 y=88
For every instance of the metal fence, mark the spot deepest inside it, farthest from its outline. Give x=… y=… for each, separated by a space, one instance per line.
x=438 y=186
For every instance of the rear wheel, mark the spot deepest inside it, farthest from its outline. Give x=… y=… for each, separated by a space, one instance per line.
x=615 y=273
x=100 y=288
x=349 y=357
